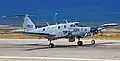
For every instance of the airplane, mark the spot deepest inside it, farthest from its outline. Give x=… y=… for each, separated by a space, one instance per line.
x=70 y=30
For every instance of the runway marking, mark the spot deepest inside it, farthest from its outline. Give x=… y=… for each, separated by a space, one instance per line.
x=53 y=58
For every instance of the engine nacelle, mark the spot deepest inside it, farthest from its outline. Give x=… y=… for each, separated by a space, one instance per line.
x=71 y=39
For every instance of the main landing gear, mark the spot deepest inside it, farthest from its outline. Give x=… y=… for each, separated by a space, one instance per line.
x=79 y=43
x=93 y=42
x=51 y=45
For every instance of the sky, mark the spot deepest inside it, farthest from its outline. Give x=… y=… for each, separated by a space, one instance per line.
x=85 y=10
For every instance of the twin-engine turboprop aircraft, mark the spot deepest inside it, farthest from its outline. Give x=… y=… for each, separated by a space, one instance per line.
x=70 y=30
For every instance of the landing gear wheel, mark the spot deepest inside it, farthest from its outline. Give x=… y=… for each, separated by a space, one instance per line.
x=93 y=41
x=79 y=43
x=51 y=45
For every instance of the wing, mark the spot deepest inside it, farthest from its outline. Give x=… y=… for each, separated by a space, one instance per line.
x=45 y=35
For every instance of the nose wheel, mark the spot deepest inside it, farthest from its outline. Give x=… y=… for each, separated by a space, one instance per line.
x=93 y=42
x=79 y=43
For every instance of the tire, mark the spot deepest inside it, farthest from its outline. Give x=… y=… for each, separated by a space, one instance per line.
x=73 y=39
x=51 y=45
x=79 y=43
x=93 y=42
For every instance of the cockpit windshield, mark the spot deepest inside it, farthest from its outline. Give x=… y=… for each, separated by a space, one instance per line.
x=78 y=24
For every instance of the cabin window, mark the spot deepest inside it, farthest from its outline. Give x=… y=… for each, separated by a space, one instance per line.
x=64 y=26
x=76 y=24
x=58 y=27
x=71 y=25
x=44 y=29
x=85 y=29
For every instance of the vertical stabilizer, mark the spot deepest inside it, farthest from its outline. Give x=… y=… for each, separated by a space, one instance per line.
x=28 y=24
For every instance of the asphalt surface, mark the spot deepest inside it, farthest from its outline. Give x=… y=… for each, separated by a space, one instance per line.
x=37 y=50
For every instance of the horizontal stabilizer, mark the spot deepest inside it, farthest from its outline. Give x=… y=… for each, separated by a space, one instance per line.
x=17 y=16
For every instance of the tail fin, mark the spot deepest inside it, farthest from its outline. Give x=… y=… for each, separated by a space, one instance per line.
x=28 y=24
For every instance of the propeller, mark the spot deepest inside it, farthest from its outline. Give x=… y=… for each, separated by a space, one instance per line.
x=96 y=30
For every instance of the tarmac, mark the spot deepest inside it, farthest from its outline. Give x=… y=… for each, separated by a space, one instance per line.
x=37 y=50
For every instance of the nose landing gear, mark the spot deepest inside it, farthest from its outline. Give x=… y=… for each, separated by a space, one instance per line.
x=93 y=42
x=79 y=43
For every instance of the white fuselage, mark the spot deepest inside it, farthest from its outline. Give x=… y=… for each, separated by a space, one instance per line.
x=62 y=30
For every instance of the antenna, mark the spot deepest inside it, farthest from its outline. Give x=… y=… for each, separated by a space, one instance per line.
x=47 y=23
x=66 y=21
